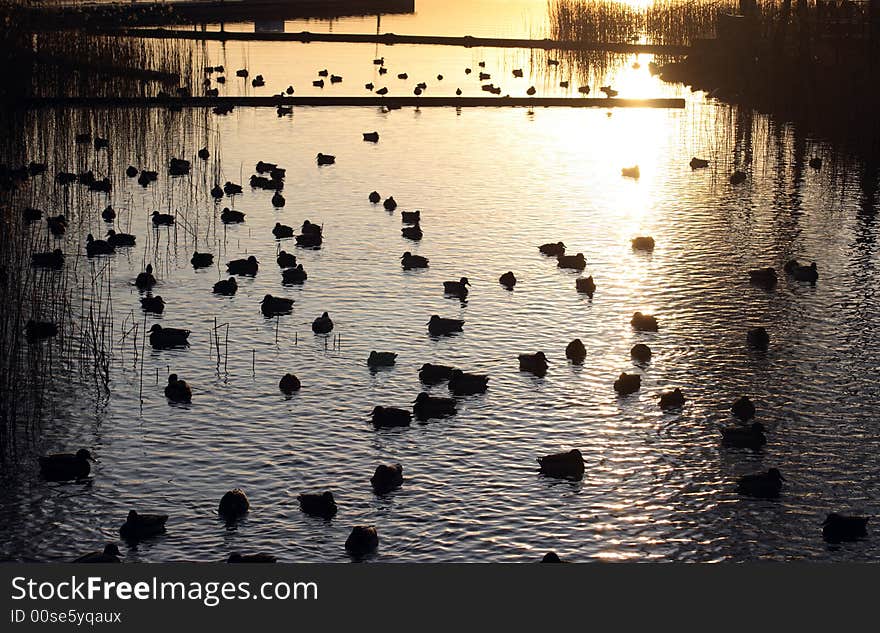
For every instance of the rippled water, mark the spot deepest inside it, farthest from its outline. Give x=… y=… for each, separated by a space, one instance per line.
x=491 y=184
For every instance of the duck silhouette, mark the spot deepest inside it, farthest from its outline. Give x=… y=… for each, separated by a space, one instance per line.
x=552 y=557
x=412 y=232
x=178 y=390
x=800 y=272
x=762 y=485
x=323 y=324
x=643 y=243
x=295 y=275
x=155 y=305
x=751 y=436
x=698 y=163
x=585 y=285
x=672 y=399
x=229 y=216
x=533 y=363
x=120 y=240
x=644 y=322
x=274 y=306
x=758 y=338
x=374 y=197
x=278 y=200
x=145 y=280
x=743 y=408
x=737 y=178
x=227 y=287
x=108 y=214
x=202 y=260
x=631 y=172
x=282 y=231
x=381 y=359
x=838 y=528
x=319 y=504
x=110 y=554
x=98 y=247
x=288 y=384
x=372 y=137
x=627 y=383
x=325 y=159
x=233 y=504
x=390 y=417
x=411 y=217
x=465 y=384
x=390 y=204
x=362 y=540
x=553 y=250
x=457 y=288
x=426 y=407
x=576 y=352
x=641 y=353
x=286 y=260
x=409 y=261
x=246 y=267
x=162 y=219
x=66 y=466
x=432 y=374
x=142 y=526
x=567 y=465
x=508 y=280
x=386 y=478
x=231 y=188
x=165 y=337
x=574 y=262
x=763 y=277
x=438 y=326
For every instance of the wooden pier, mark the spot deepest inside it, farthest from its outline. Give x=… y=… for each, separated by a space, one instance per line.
x=366 y=101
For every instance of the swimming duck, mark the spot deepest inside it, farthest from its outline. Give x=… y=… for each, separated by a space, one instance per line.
x=272 y=306
x=53 y=260
x=585 y=285
x=737 y=178
x=390 y=204
x=203 y=153
x=310 y=228
x=751 y=436
x=282 y=231
x=110 y=554
x=108 y=214
x=643 y=243
x=278 y=200
x=412 y=232
x=374 y=197
x=228 y=216
x=438 y=326
x=362 y=540
x=201 y=260
x=551 y=557
x=233 y=504
x=763 y=277
x=146 y=177
x=98 y=247
x=576 y=352
x=318 y=83
x=226 y=287
x=763 y=485
x=216 y=192
x=390 y=416
x=168 y=337
x=838 y=528
x=644 y=322
x=140 y=526
x=323 y=324
x=259 y=557
x=485 y=76
x=289 y=383
x=411 y=217
x=574 y=262
x=802 y=273
x=386 y=478
x=309 y=240
x=369 y=85
x=117 y=240
x=57 y=225
x=66 y=466
x=508 y=280
x=372 y=137
x=156 y=305
x=178 y=167
x=162 y=219
x=432 y=374
x=758 y=338
x=517 y=72
x=641 y=353
x=457 y=288
x=816 y=162
x=672 y=399
x=743 y=408
x=383 y=90
x=39 y=330
x=325 y=159
x=145 y=280
x=381 y=359
x=698 y=163
x=630 y=172
x=231 y=189
x=464 y=384
x=294 y=275
x=609 y=91
x=286 y=260
x=65 y=178
x=408 y=261
x=569 y=464
x=426 y=407
x=178 y=390
x=554 y=250
x=627 y=383
x=131 y=171
x=241 y=72
x=458 y=92
x=321 y=504
x=258 y=81
x=531 y=91
x=533 y=363
x=248 y=267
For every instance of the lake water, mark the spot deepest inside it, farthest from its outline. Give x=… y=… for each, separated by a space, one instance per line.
x=491 y=184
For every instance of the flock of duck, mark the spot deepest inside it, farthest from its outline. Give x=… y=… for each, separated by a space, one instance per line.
x=364 y=539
